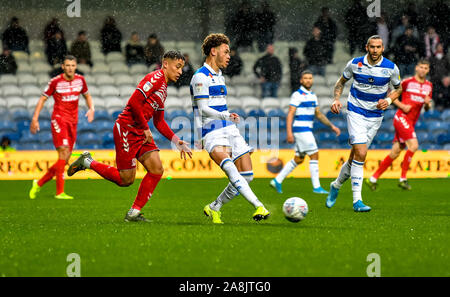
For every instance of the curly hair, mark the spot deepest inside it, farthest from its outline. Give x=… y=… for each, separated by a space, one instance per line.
x=214 y=40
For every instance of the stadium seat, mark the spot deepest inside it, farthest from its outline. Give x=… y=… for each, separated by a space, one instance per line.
x=102 y=115
x=29 y=138
x=8 y=79
x=250 y=102
x=20 y=115
x=447 y=147
x=139 y=69
x=16 y=103
x=323 y=91
x=172 y=91
x=118 y=68
x=104 y=79
x=3 y=104
x=176 y=113
x=103 y=126
x=238 y=111
x=234 y=103
x=270 y=103
x=246 y=90
x=341 y=124
x=343 y=137
x=86 y=69
x=276 y=112
x=108 y=90
x=85 y=127
x=114 y=57
x=100 y=68
x=389 y=114
x=443 y=138
x=31 y=90
x=384 y=137
x=10 y=91
x=7 y=127
x=88 y=139
x=123 y=79
x=258 y=112
x=437 y=127
x=172 y=103
x=125 y=91
x=431 y=115
x=94 y=91
x=27 y=79
x=45 y=137
x=24 y=68
x=113 y=103
x=41 y=67
x=445 y=116
x=421 y=126
x=44 y=125
x=185 y=91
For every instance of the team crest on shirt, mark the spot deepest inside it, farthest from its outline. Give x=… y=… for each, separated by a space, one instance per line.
x=371 y=80
x=384 y=72
x=198 y=87
x=147 y=86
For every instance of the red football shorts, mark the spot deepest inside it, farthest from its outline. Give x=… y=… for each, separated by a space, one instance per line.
x=64 y=133
x=404 y=130
x=129 y=146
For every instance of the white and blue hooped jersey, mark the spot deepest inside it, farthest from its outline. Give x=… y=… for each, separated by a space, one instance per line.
x=370 y=84
x=209 y=85
x=306 y=102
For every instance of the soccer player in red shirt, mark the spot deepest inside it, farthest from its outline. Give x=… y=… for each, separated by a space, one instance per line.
x=65 y=89
x=133 y=138
x=416 y=93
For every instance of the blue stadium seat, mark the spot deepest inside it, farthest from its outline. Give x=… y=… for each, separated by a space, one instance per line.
x=384 y=137
x=432 y=115
x=277 y=112
x=447 y=147
x=421 y=126
x=88 y=139
x=177 y=113
x=84 y=127
x=28 y=138
x=332 y=116
x=318 y=126
x=29 y=146
x=102 y=115
x=256 y=113
x=341 y=124
x=7 y=127
x=13 y=136
x=45 y=137
x=424 y=137
x=282 y=123
x=103 y=126
x=115 y=114
x=443 y=138
x=23 y=125
x=389 y=114
x=445 y=116
x=327 y=136
x=343 y=137
x=386 y=127
x=45 y=115
x=437 y=127
x=21 y=115
x=108 y=139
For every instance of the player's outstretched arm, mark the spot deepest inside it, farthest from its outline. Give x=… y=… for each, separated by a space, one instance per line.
x=324 y=120
x=205 y=110
x=34 y=126
x=90 y=104
x=338 y=89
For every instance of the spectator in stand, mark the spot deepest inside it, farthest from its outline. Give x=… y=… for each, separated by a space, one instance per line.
x=407 y=52
x=328 y=31
x=186 y=75
x=400 y=30
x=51 y=29
x=110 y=36
x=81 y=49
x=269 y=71
x=383 y=30
x=439 y=76
x=56 y=49
x=134 y=51
x=15 y=37
x=153 y=51
x=439 y=18
x=8 y=64
x=431 y=40
x=5 y=145
x=296 y=66
x=356 y=20
x=265 y=25
x=315 y=52
x=235 y=65
x=244 y=23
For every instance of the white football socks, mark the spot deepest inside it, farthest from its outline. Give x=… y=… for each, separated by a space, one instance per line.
x=314 y=170
x=230 y=192
x=285 y=171
x=344 y=174
x=356 y=174
x=239 y=182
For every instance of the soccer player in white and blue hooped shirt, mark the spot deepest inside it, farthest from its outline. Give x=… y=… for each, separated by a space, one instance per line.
x=219 y=134
x=367 y=100
x=303 y=107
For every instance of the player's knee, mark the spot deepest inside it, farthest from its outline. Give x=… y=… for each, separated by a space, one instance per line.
x=158 y=170
x=126 y=181
x=298 y=159
x=413 y=147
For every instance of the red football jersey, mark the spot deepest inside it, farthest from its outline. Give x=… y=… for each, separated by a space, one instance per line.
x=66 y=94
x=154 y=89
x=414 y=94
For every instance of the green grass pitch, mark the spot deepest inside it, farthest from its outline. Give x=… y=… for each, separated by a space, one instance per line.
x=410 y=231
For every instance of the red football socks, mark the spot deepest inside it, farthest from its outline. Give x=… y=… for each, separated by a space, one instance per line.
x=405 y=164
x=108 y=172
x=383 y=166
x=148 y=185
x=56 y=170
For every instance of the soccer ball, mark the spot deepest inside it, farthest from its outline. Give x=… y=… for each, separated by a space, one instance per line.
x=295 y=209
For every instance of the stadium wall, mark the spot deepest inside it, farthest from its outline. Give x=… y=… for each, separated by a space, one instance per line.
x=27 y=165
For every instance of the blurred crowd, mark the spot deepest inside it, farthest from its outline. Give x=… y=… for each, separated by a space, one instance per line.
x=413 y=34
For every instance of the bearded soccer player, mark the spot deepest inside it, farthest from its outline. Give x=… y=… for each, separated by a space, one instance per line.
x=366 y=102
x=219 y=134
x=65 y=89
x=133 y=138
x=417 y=92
